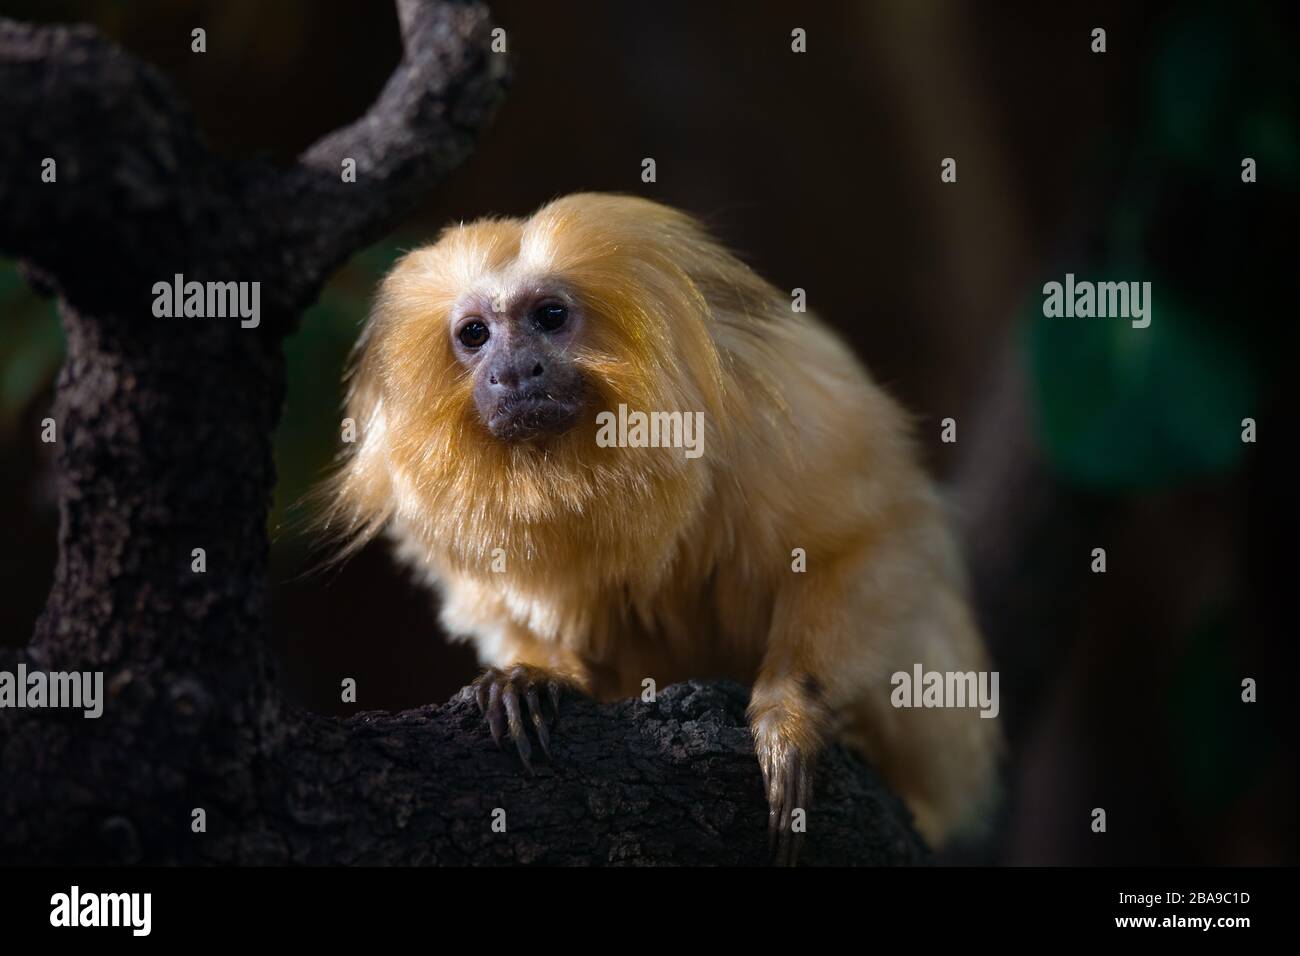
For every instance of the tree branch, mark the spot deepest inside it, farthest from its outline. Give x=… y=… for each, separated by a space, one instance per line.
x=631 y=783
x=129 y=164
x=139 y=197
x=674 y=781
x=423 y=124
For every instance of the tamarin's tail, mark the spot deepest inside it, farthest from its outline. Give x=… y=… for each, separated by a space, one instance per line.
x=945 y=762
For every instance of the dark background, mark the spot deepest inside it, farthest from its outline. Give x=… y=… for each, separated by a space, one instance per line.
x=822 y=170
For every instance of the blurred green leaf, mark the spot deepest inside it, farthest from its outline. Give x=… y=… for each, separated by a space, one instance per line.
x=1123 y=408
x=31 y=349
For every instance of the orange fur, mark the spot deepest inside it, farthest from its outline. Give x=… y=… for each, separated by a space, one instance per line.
x=627 y=563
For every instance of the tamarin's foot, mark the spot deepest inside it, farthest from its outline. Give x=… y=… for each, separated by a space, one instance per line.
x=509 y=696
x=788 y=719
x=787 y=775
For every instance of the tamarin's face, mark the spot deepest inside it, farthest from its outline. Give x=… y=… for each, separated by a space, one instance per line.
x=519 y=349
x=506 y=337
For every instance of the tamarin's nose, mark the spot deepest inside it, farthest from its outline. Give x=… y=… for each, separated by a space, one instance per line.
x=509 y=375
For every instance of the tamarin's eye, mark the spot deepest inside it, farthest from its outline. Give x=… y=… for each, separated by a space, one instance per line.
x=473 y=335
x=550 y=317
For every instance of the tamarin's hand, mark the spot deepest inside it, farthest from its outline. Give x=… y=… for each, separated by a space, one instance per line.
x=621 y=455
x=516 y=697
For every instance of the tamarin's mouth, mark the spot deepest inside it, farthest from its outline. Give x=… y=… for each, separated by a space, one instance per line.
x=532 y=414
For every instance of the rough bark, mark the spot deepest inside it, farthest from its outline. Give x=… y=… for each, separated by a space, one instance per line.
x=164 y=446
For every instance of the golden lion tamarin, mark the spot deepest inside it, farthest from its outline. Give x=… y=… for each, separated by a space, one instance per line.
x=804 y=551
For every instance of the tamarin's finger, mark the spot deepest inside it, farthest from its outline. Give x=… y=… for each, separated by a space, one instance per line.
x=539 y=720
x=517 y=733
x=494 y=717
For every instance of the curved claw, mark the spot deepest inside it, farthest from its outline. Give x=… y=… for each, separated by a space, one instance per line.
x=796 y=796
x=511 y=698
x=494 y=716
x=554 y=690
x=539 y=720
